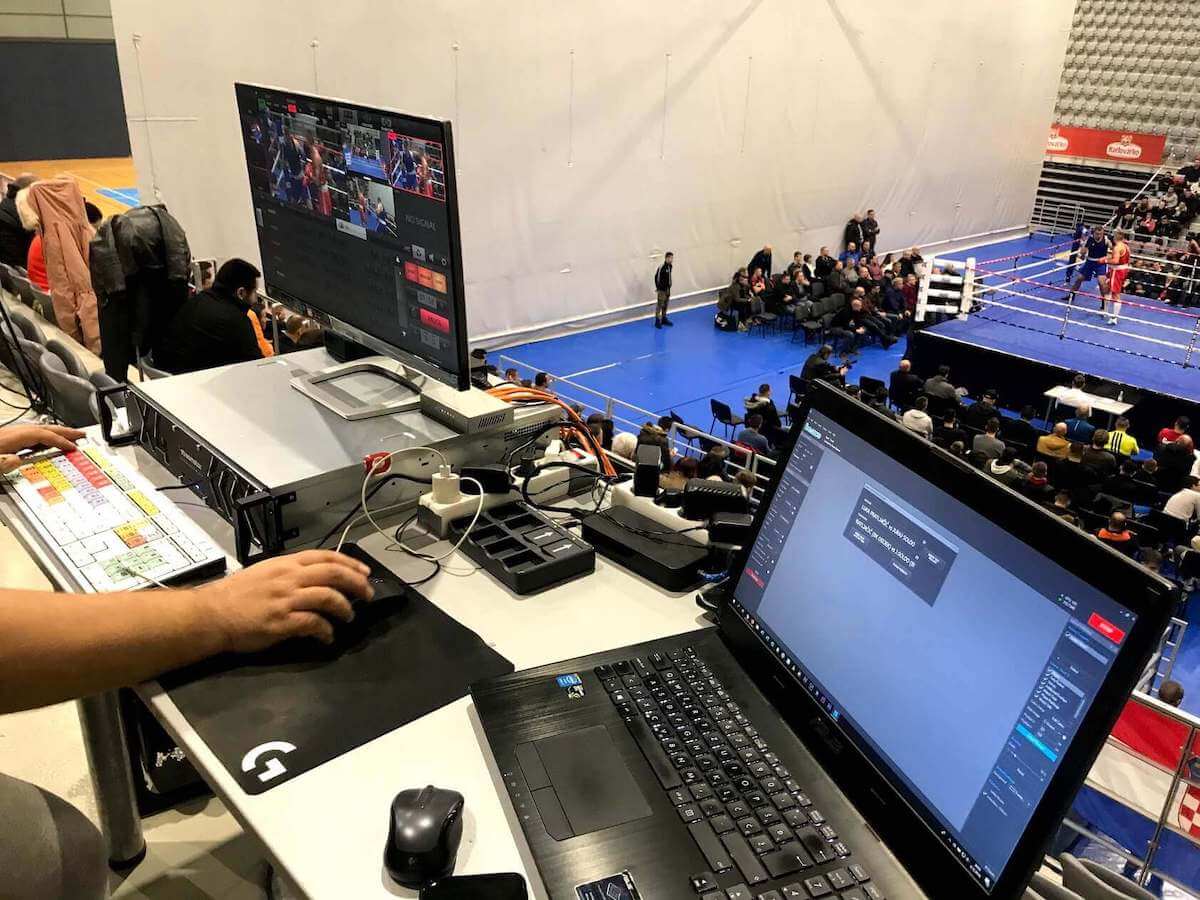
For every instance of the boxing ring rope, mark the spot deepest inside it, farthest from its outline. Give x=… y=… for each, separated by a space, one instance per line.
x=975 y=287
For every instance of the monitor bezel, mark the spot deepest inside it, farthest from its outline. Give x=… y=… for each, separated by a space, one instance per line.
x=460 y=380
x=886 y=809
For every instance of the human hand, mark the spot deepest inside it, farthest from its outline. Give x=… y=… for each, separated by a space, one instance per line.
x=15 y=438
x=286 y=597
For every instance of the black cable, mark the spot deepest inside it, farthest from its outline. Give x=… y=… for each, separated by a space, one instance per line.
x=391 y=476
x=398 y=536
x=557 y=464
x=16 y=417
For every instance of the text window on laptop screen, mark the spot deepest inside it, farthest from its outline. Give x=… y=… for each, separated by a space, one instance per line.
x=953 y=654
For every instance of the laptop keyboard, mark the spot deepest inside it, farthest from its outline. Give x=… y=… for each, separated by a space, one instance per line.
x=750 y=818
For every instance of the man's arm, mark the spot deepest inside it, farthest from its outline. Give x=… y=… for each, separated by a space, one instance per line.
x=57 y=647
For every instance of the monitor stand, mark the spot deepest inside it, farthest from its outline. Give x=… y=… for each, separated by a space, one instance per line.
x=364 y=388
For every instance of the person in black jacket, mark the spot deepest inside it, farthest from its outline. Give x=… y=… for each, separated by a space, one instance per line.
x=977 y=414
x=662 y=287
x=854 y=231
x=212 y=328
x=14 y=239
x=1021 y=430
x=855 y=323
x=819 y=366
x=761 y=260
x=870 y=229
x=904 y=385
x=824 y=264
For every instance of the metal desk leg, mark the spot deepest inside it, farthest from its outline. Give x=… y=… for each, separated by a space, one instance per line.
x=112 y=779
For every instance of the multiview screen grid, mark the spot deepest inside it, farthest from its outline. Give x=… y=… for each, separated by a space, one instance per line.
x=351 y=209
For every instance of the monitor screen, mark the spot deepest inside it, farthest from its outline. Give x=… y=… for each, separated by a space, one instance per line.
x=959 y=660
x=357 y=223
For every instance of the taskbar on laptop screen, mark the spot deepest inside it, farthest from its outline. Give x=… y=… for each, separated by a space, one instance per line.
x=957 y=659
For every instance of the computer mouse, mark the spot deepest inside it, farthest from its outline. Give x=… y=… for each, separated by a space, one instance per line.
x=388 y=588
x=423 y=835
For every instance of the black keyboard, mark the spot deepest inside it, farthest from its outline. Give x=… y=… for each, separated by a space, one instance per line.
x=761 y=835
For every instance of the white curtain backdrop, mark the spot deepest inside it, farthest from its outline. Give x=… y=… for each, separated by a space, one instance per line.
x=593 y=136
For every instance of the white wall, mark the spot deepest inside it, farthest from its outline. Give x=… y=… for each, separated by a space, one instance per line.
x=592 y=136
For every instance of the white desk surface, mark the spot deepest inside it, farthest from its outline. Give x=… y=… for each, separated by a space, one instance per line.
x=1072 y=397
x=326 y=829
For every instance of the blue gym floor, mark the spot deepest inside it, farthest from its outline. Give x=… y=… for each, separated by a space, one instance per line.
x=125 y=195
x=682 y=368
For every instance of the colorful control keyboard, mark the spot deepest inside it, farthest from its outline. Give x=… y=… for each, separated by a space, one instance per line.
x=107 y=524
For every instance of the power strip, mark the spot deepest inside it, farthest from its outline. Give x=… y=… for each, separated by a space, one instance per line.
x=623 y=495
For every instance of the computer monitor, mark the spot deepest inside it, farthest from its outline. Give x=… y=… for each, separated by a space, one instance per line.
x=962 y=652
x=357 y=218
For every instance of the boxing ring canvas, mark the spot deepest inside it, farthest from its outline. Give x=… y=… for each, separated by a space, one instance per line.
x=1026 y=336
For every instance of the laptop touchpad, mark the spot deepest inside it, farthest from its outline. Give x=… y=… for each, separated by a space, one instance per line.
x=593 y=786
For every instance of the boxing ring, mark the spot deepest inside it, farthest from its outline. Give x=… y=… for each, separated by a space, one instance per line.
x=1013 y=317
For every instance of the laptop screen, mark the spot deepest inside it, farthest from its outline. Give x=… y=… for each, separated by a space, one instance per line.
x=960 y=660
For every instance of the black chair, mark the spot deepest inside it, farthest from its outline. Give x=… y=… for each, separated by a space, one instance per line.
x=871 y=386
x=723 y=414
x=69 y=359
x=798 y=390
x=766 y=321
x=688 y=432
x=1189 y=565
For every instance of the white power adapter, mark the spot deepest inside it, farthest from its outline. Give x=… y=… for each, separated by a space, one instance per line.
x=447 y=503
x=445 y=486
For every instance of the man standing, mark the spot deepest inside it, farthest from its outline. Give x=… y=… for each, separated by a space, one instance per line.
x=824 y=264
x=1073 y=257
x=870 y=228
x=1118 y=261
x=761 y=260
x=853 y=234
x=904 y=385
x=662 y=287
x=1095 y=265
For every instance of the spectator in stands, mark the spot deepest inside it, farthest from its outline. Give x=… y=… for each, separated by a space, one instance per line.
x=796 y=264
x=763 y=404
x=835 y=281
x=1079 y=429
x=1008 y=470
x=849 y=257
x=1171 y=693
x=1123 y=483
x=819 y=366
x=877 y=400
x=746 y=481
x=1184 y=504
x=1097 y=461
x=1037 y=486
x=662 y=290
x=957 y=448
x=35 y=263
x=624 y=444
x=712 y=464
x=948 y=433
x=977 y=414
x=824 y=264
x=904 y=385
x=212 y=328
x=761 y=260
x=875 y=269
x=1118 y=536
x=1021 y=430
x=1172 y=434
x=655 y=436
x=542 y=381
x=870 y=231
x=855 y=324
x=1062 y=506
x=1056 y=444
x=850 y=274
x=917 y=418
x=909 y=290
x=14 y=238
x=940 y=387
x=511 y=376
x=1175 y=461
x=751 y=435
x=1151 y=559
x=1120 y=441
x=989 y=443
x=907 y=267
x=853 y=234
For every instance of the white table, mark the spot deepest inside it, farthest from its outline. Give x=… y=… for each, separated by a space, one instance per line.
x=1069 y=396
x=325 y=829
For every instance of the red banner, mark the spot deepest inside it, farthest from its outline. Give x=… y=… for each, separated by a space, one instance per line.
x=1096 y=143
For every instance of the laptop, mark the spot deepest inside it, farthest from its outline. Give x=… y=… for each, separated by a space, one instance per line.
x=911 y=676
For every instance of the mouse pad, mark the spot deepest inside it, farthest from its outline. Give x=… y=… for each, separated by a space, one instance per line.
x=272 y=716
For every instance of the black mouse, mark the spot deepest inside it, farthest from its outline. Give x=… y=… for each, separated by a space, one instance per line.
x=423 y=835
x=387 y=586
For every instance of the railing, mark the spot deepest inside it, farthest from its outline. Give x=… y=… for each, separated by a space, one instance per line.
x=683 y=439
x=1162 y=662
x=1055 y=217
x=1132 y=777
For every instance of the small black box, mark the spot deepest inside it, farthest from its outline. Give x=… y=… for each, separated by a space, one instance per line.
x=649 y=464
x=702 y=497
x=646 y=547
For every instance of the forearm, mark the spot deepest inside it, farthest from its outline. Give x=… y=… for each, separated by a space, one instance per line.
x=55 y=647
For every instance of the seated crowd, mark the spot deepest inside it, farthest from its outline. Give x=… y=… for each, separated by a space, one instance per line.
x=880 y=294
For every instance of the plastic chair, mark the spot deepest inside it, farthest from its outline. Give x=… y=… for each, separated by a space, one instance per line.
x=688 y=432
x=67 y=355
x=71 y=398
x=41 y=304
x=798 y=389
x=723 y=414
x=870 y=386
x=28 y=328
